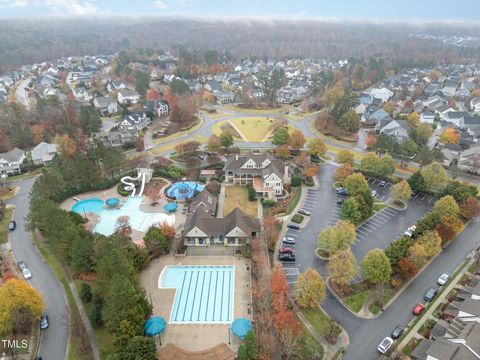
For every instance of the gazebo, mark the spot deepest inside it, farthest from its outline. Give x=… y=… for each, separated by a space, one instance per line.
x=112 y=202
x=171 y=207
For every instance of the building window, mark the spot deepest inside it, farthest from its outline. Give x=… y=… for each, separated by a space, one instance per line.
x=201 y=241
x=231 y=241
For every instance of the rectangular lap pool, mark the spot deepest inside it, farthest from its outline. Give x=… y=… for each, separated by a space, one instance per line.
x=204 y=293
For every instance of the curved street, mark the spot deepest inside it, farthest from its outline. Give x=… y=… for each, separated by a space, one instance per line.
x=53 y=345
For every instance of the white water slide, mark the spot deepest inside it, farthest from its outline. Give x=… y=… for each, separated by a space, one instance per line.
x=130 y=186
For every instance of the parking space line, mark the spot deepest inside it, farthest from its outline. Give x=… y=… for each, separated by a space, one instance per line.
x=423 y=197
x=373 y=226
x=377 y=221
x=373 y=182
x=390 y=211
x=362 y=231
x=385 y=216
x=429 y=201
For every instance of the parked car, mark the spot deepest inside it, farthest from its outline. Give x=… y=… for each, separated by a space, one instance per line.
x=442 y=280
x=289 y=241
x=340 y=202
x=21 y=265
x=385 y=345
x=398 y=331
x=410 y=231
x=304 y=212
x=382 y=183
x=374 y=193
x=26 y=273
x=44 y=322
x=285 y=250
x=414 y=193
x=286 y=257
x=342 y=191
x=418 y=309
x=430 y=294
x=293 y=226
x=12 y=225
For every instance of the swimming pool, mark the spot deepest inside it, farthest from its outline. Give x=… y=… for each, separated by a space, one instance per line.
x=204 y=293
x=184 y=190
x=138 y=219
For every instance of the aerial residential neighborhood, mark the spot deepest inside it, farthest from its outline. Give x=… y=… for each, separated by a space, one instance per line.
x=183 y=180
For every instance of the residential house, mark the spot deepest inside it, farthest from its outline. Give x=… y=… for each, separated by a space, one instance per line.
x=427 y=117
x=119 y=138
x=213 y=86
x=456 y=117
x=383 y=93
x=115 y=86
x=397 y=128
x=43 y=153
x=449 y=90
x=225 y=96
x=475 y=105
x=204 y=229
x=469 y=160
x=158 y=107
x=81 y=94
x=265 y=173
x=10 y=161
x=443 y=110
x=374 y=114
x=106 y=105
x=127 y=96
x=136 y=121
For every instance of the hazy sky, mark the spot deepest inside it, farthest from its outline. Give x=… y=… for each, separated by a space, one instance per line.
x=397 y=10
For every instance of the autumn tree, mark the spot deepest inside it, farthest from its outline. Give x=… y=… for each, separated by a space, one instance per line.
x=167 y=230
x=345 y=157
x=337 y=237
x=413 y=119
x=317 y=147
x=139 y=144
x=155 y=241
x=435 y=176
x=453 y=221
x=407 y=268
x=470 y=208
x=385 y=166
x=446 y=206
x=349 y=122
x=350 y=211
x=310 y=170
x=371 y=140
x=356 y=184
x=375 y=267
x=213 y=143
x=342 y=267
x=398 y=249
x=401 y=191
x=282 y=151
x=369 y=163
x=431 y=242
x=296 y=140
x=309 y=289
x=450 y=136
x=343 y=172
x=66 y=145
x=417 y=253
x=446 y=232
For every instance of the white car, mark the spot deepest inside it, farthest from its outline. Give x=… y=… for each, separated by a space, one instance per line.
x=442 y=280
x=410 y=231
x=289 y=240
x=26 y=273
x=385 y=345
x=374 y=193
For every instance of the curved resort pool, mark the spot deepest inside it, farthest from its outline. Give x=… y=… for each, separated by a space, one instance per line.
x=184 y=190
x=139 y=220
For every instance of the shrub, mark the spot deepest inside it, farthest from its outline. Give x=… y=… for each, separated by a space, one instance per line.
x=297 y=218
x=296 y=180
x=252 y=194
x=269 y=202
x=85 y=293
x=121 y=190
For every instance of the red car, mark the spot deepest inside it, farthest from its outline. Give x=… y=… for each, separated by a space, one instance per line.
x=417 y=310
x=285 y=250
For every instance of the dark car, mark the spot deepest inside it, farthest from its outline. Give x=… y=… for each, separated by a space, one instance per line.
x=398 y=331
x=293 y=226
x=286 y=257
x=304 y=212
x=12 y=225
x=340 y=202
x=414 y=193
x=44 y=322
x=430 y=294
x=342 y=191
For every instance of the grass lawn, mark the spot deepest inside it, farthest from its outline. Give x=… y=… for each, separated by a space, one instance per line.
x=378 y=206
x=237 y=196
x=308 y=346
x=4 y=225
x=173 y=136
x=235 y=108
x=253 y=129
x=295 y=200
x=318 y=319
x=355 y=302
x=157 y=150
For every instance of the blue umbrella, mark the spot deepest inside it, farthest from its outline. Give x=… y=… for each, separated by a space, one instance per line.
x=241 y=326
x=155 y=325
x=171 y=207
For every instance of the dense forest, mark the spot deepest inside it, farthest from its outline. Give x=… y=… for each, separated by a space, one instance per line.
x=36 y=40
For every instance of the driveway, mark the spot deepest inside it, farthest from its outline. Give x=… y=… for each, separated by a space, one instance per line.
x=365 y=335
x=54 y=340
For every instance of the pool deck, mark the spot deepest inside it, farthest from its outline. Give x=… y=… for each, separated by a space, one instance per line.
x=137 y=236
x=196 y=337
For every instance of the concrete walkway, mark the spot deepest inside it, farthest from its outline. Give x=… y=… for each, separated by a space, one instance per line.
x=221 y=200
x=431 y=309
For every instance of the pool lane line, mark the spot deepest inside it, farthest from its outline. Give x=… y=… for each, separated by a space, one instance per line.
x=221 y=302
x=188 y=293
x=201 y=296
x=180 y=296
x=208 y=294
x=229 y=296
x=194 y=295
x=215 y=295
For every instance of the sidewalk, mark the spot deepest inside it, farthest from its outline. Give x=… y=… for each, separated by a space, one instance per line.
x=432 y=306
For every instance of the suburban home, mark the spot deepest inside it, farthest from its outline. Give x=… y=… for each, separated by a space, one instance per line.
x=397 y=128
x=470 y=160
x=119 y=138
x=106 y=105
x=136 y=121
x=127 y=96
x=444 y=110
x=427 y=117
x=213 y=86
x=204 y=229
x=374 y=114
x=475 y=105
x=383 y=93
x=266 y=174
x=224 y=97
x=81 y=94
x=10 y=161
x=159 y=107
x=43 y=153
x=456 y=118
x=115 y=86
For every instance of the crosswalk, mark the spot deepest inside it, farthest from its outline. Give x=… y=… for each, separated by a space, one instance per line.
x=291 y=271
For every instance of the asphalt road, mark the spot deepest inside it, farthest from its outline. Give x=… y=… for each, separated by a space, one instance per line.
x=365 y=335
x=54 y=340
